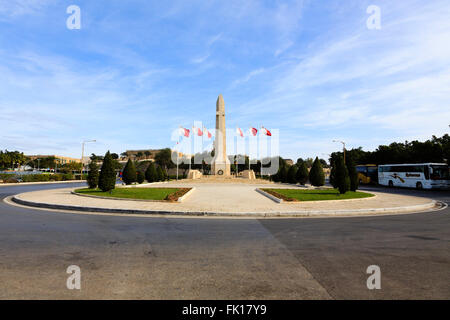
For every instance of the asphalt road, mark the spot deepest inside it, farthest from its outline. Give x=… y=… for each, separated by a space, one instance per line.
x=158 y=258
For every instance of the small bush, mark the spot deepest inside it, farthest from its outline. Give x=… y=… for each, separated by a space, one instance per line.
x=36 y=178
x=302 y=174
x=67 y=176
x=56 y=177
x=129 y=172
x=150 y=173
x=107 y=178
x=92 y=178
x=342 y=179
x=292 y=174
x=316 y=175
x=160 y=174
x=140 y=177
x=352 y=173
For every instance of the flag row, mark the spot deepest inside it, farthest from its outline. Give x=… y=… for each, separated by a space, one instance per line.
x=204 y=132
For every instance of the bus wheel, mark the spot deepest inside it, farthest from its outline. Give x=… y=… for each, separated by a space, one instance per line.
x=419 y=186
x=391 y=184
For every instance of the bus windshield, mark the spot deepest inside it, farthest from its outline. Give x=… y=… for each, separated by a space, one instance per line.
x=440 y=173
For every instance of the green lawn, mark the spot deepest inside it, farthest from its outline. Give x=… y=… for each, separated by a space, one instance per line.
x=134 y=193
x=316 y=195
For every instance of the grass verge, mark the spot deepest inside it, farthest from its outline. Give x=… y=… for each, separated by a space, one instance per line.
x=169 y=194
x=315 y=195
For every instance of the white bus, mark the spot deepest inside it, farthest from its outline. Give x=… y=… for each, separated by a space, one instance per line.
x=417 y=175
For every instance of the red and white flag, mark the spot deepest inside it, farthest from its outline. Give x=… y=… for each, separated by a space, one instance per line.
x=266 y=132
x=253 y=131
x=208 y=134
x=197 y=131
x=184 y=132
x=239 y=132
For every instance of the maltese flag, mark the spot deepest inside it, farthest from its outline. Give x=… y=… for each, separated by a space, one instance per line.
x=197 y=131
x=266 y=132
x=184 y=132
x=208 y=134
x=239 y=132
x=254 y=131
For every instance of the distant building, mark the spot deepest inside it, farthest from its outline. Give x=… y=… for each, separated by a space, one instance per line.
x=60 y=160
x=289 y=162
x=146 y=154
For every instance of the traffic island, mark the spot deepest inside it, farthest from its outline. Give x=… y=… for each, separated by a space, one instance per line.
x=139 y=194
x=236 y=200
x=296 y=195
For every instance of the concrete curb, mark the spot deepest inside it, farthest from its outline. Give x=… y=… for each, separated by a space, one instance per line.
x=143 y=185
x=306 y=213
x=278 y=200
x=180 y=199
x=268 y=195
x=36 y=183
x=186 y=195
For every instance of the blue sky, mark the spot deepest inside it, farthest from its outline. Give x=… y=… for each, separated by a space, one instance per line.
x=136 y=70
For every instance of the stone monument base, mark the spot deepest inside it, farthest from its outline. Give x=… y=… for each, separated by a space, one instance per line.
x=221 y=169
x=248 y=174
x=194 y=174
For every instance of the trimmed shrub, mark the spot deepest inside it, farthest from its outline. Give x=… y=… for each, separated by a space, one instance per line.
x=107 y=177
x=342 y=179
x=302 y=173
x=129 y=172
x=316 y=175
x=292 y=174
x=150 y=173
x=10 y=180
x=92 y=178
x=352 y=173
x=35 y=177
x=283 y=174
x=333 y=181
x=159 y=174
x=56 y=177
x=6 y=176
x=140 y=177
x=67 y=176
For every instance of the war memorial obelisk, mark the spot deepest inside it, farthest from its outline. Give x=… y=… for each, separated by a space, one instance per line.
x=220 y=163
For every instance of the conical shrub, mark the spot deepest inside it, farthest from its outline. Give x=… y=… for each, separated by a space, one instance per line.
x=107 y=177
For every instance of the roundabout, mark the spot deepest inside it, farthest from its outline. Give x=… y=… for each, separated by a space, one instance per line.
x=232 y=198
x=134 y=257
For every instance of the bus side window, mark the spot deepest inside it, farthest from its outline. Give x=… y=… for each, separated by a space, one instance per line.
x=426 y=171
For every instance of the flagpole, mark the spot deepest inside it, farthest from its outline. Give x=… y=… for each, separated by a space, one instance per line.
x=203 y=133
x=249 y=142
x=260 y=172
x=178 y=147
x=192 y=141
x=235 y=156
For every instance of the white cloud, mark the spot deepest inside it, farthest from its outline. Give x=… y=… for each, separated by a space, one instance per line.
x=15 y=8
x=395 y=80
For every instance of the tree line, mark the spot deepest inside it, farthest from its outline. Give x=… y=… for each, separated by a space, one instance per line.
x=105 y=178
x=432 y=150
x=299 y=173
x=11 y=159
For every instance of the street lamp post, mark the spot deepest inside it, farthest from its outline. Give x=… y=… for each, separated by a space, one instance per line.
x=343 y=146
x=82 y=155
